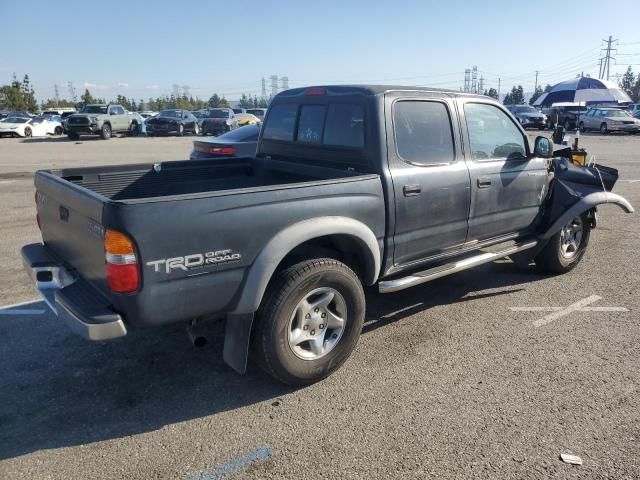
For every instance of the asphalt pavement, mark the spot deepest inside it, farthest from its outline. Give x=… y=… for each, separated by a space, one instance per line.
x=489 y=373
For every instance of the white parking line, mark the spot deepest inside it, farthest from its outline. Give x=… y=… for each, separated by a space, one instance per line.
x=4 y=182
x=629 y=181
x=559 y=312
x=21 y=304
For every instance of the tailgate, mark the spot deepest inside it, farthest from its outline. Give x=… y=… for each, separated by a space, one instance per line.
x=70 y=220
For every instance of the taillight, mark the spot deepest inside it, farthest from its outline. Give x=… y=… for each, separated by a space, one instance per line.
x=123 y=274
x=222 y=150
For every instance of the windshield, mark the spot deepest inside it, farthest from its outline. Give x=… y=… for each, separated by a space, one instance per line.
x=616 y=113
x=171 y=113
x=257 y=113
x=199 y=114
x=94 y=109
x=218 y=114
x=525 y=109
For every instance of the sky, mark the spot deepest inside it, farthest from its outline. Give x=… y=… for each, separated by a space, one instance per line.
x=140 y=49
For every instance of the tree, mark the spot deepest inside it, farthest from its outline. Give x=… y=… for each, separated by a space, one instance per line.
x=87 y=98
x=245 y=102
x=507 y=99
x=223 y=103
x=548 y=88
x=627 y=82
x=18 y=96
x=635 y=91
x=492 y=92
x=214 y=101
x=536 y=94
x=516 y=97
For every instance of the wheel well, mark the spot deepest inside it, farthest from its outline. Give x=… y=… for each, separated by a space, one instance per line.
x=343 y=248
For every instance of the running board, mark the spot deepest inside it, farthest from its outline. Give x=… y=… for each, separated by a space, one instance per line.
x=389 y=286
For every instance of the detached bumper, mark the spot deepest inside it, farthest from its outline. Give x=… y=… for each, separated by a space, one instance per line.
x=71 y=298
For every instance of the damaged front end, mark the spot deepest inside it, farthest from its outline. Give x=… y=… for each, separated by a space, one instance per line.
x=576 y=190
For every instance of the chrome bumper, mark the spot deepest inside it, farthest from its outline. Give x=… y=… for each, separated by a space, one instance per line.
x=71 y=298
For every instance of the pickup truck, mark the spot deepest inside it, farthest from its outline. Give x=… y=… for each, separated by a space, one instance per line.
x=103 y=120
x=350 y=186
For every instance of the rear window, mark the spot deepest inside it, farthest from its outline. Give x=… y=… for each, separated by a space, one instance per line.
x=335 y=124
x=281 y=123
x=242 y=134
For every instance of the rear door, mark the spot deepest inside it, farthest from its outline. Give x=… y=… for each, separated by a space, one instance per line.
x=507 y=183
x=430 y=177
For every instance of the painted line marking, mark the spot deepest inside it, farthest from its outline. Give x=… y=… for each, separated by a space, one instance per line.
x=21 y=312
x=20 y=304
x=5 y=182
x=629 y=181
x=559 y=312
x=233 y=466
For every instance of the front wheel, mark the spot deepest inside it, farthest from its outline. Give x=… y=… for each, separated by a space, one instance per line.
x=603 y=129
x=582 y=127
x=309 y=321
x=105 y=132
x=28 y=132
x=567 y=247
x=196 y=130
x=57 y=131
x=180 y=130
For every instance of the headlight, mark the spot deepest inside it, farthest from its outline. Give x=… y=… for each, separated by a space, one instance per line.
x=94 y=119
x=228 y=122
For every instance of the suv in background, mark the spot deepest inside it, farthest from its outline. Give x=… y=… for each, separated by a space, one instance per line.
x=566 y=115
x=101 y=120
x=528 y=116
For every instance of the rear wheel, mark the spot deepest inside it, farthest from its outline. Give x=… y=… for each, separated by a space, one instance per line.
x=196 y=129
x=105 y=133
x=603 y=129
x=57 y=131
x=180 y=130
x=133 y=128
x=28 y=132
x=566 y=248
x=582 y=127
x=310 y=321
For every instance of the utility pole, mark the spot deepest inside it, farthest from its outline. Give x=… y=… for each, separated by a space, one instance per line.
x=536 y=87
x=481 y=86
x=499 y=88
x=72 y=92
x=467 y=80
x=474 y=79
x=264 y=88
x=57 y=94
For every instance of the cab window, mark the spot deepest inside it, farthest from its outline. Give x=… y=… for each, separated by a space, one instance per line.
x=492 y=134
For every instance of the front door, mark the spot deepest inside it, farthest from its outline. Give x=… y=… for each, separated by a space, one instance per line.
x=430 y=177
x=508 y=184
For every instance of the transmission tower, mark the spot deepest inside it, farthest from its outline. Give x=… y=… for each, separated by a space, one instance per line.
x=605 y=62
x=274 y=85
x=264 y=88
x=284 y=82
x=57 y=94
x=467 y=80
x=72 y=92
x=481 y=86
x=474 y=79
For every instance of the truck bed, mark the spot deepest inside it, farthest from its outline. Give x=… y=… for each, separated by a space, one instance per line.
x=132 y=182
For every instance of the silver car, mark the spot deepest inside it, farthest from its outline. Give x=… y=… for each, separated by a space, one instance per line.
x=607 y=119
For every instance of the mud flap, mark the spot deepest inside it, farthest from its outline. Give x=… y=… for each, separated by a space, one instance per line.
x=237 y=336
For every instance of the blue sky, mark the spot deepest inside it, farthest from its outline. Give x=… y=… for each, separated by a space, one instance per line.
x=140 y=49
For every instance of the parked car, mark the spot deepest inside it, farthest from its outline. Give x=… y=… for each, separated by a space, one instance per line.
x=246 y=119
x=241 y=142
x=65 y=117
x=29 y=127
x=59 y=111
x=15 y=114
x=219 y=120
x=258 y=112
x=148 y=114
x=239 y=110
x=637 y=114
x=101 y=119
x=609 y=119
x=350 y=186
x=567 y=115
x=172 y=122
x=634 y=108
x=528 y=116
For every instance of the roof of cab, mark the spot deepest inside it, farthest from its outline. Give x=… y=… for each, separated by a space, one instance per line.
x=371 y=90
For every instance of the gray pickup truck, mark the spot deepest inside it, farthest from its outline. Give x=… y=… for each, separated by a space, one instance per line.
x=103 y=120
x=350 y=186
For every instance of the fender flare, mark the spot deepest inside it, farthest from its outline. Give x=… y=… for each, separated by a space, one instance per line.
x=286 y=240
x=586 y=203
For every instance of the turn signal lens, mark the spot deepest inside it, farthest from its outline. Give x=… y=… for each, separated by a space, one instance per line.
x=117 y=243
x=123 y=275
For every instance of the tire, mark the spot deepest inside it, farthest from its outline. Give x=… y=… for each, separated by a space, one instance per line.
x=603 y=129
x=181 y=130
x=283 y=316
x=582 y=127
x=558 y=256
x=133 y=129
x=105 y=132
x=196 y=130
x=73 y=136
x=57 y=131
x=28 y=132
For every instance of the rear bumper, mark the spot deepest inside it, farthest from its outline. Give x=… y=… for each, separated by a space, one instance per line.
x=71 y=298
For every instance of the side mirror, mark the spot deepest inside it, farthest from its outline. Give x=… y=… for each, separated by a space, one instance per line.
x=543 y=147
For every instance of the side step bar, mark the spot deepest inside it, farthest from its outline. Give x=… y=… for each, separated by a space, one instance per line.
x=389 y=286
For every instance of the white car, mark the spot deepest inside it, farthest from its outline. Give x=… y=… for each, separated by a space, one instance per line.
x=30 y=127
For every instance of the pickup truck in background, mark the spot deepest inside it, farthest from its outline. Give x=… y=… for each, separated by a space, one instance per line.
x=103 y=120
x=350 y=186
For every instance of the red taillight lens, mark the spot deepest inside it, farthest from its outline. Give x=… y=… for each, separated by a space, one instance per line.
x=123 y=278
x=222 y=150
x=123 y=275
x=315 y=91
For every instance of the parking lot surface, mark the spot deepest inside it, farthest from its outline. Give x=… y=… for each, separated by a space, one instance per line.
x=489 y=373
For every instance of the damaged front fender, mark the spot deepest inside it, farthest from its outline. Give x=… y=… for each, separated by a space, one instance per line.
x=585 y=204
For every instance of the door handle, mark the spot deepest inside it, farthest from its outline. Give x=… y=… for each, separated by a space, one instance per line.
x=411 y=190
x=484 y=182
